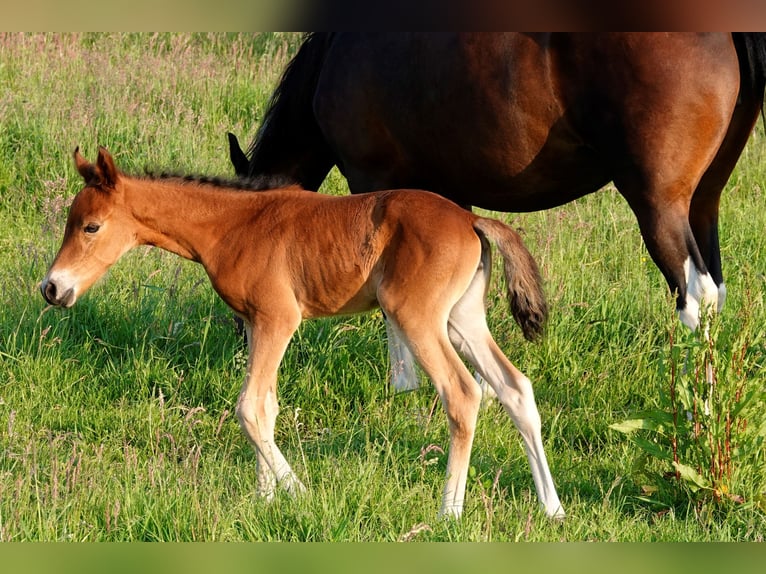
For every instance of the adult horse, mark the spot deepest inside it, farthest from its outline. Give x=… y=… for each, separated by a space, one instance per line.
x=524 y=122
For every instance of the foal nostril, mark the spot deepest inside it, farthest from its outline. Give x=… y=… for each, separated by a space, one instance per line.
x=48 y=290
x=58 y=296
x=54 y=296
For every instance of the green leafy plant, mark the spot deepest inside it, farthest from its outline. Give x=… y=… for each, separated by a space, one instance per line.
x=705 y=441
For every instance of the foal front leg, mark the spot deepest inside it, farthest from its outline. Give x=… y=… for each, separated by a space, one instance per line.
x=257 y=406
x=460 y=396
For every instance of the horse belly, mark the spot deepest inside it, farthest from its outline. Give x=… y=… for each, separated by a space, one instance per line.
x=474 y=118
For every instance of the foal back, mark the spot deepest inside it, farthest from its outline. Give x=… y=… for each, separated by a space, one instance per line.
x=340 y=255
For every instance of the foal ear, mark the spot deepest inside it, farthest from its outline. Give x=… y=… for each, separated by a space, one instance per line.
x=237 y=156
x=106 y=167
x=102 y=174
x=86 y=169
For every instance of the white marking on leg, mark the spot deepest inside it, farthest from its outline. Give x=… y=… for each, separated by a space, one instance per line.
x=404 y=377
x=520 y=404
x=267 y=481
x=271 y=466
x=721 y=296
x=702 y=295
x=257 y=416
x=451 y=507
x=462 y=429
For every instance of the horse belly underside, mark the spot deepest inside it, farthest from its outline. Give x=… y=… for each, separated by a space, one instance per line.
x=477 y=119
x=512 y=122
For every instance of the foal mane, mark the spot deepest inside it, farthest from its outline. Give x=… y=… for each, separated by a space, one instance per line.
x=254 y=183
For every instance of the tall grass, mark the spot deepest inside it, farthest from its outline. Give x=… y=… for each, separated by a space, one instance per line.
x=116 y=416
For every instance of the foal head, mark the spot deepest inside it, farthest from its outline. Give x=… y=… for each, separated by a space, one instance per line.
x=96 y=235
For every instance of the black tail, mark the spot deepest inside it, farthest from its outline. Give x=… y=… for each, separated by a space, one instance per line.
x=751 y=50
x=289 y=141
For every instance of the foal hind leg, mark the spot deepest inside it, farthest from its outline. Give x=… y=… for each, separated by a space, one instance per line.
x=257 y=406
x=460 y=396
x=470 y=335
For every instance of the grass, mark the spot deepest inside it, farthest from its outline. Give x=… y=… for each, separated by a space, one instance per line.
x=116 y=416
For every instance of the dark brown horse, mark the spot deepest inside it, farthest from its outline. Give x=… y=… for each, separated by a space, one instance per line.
x=524 y=122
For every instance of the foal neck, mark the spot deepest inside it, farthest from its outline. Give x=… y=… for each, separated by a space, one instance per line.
x=187 y=217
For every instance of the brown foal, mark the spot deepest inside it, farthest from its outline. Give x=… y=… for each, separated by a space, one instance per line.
x=280 y=256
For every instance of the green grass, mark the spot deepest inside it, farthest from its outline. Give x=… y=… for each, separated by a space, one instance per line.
x=116 y=416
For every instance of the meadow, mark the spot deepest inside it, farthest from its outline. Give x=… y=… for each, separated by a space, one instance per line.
x=117 y=415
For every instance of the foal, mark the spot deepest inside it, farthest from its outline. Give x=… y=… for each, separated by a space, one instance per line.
x=277 y=257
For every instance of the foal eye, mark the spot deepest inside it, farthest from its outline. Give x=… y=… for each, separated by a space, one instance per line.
x=92 y=228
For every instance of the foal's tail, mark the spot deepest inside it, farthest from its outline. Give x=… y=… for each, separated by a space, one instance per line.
x=522 y=276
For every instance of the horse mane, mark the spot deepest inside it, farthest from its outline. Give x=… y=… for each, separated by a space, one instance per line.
x=254 y=183
x=289 y=111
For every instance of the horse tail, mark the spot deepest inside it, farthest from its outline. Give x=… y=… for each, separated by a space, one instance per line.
x=289 y=141
x=522 y=276
x=751 y=51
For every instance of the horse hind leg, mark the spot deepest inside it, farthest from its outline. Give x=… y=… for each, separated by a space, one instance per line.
x=703 y=216
x=673 y=247
x=470 y=335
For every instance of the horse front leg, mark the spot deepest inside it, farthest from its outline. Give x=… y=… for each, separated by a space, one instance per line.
x=258 y=407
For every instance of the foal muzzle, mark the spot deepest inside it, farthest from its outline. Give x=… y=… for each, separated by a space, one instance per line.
x=55 y=296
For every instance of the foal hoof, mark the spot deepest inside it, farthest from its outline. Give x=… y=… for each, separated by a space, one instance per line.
x=292 y=485
x=451 y=512
x=558 y=515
